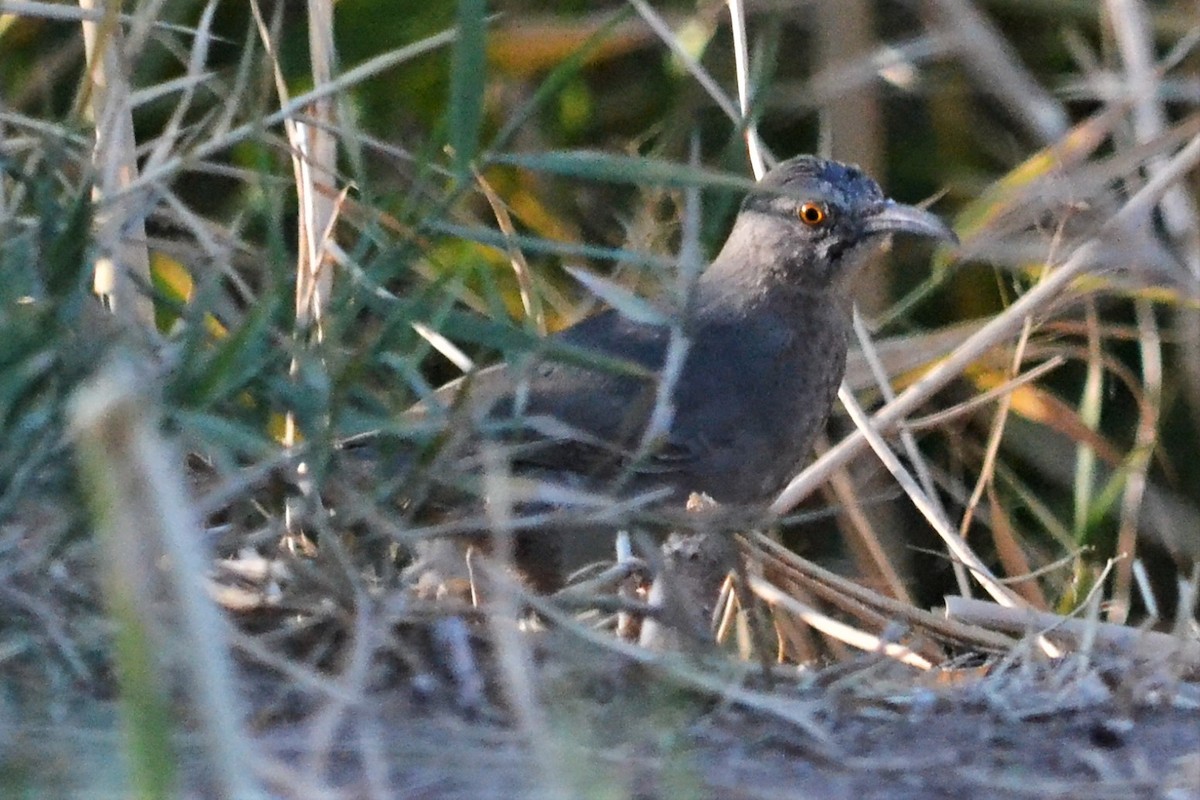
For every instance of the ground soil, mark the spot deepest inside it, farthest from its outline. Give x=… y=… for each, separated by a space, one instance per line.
x=608 y=725
x=609 y=728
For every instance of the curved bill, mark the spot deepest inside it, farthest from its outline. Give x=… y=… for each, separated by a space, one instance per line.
x=893 y=217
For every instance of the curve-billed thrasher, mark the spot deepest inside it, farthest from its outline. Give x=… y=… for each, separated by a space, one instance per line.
x=767 y=339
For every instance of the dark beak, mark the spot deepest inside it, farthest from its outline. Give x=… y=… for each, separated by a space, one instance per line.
x=893 y=217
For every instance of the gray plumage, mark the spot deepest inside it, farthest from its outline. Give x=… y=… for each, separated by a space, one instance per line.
x=767 y=339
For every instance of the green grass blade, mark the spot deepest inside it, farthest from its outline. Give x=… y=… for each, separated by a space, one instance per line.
x=468 y=74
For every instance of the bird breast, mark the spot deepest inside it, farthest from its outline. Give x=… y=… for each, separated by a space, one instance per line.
x=756 y=391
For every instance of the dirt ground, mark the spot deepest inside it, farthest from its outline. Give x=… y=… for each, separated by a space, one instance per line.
x=605 y=725
x=385 y=698
x=611 y=728
x=859 y=732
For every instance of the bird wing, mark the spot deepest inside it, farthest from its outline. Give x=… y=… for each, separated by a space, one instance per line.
x=564 y=413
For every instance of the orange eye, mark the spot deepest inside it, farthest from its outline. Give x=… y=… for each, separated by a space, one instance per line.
x=811 y=214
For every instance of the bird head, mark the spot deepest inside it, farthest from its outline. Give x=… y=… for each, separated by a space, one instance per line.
x=811 y=222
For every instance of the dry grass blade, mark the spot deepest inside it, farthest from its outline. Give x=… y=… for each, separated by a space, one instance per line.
x=1021 y=576
x=697 y=71
x=995 y=434
x=196 y=76
x=851 y=597
x=1145 y=442
x=870 y=554
x=855 y=637
x=315 y=161
x=904 y=353
x=658 y=426
x=924 y=474
x=936 y=518
x=314 y=165
x=530 y=299
x=1189 y=604
x=754 y=145
x=61 y=11
x=1011 y=554
x=123 y=266
x=1090 y=406
x=938 y=419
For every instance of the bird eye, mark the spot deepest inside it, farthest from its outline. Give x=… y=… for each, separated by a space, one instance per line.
x=811 y=214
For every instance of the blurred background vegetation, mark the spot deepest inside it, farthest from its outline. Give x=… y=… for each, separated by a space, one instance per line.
x=1024 y=121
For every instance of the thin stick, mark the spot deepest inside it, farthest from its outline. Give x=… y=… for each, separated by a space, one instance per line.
x=937 y=520
x=741 y=63
x=855 y=637
x=906 y=438
x=697 y=71
x=1152 y=644
x=814 y=575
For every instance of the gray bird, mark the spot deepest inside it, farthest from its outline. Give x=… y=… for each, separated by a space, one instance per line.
x=767 y=334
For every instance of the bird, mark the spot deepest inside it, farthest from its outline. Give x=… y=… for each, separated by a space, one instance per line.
x=767 y=338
